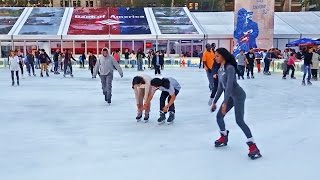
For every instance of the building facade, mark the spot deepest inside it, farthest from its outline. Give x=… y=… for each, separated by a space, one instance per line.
x=193 y=5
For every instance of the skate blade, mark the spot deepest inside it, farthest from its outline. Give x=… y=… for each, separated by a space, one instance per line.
x=257 y=156
x=138 y=120
x=146 y=121
x=169 y=123
x=160 y=123
x=220 y=145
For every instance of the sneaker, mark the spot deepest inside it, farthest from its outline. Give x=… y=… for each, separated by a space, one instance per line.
x=162 y=118
x=254 y=152
x=171 y=118
x=222 y=141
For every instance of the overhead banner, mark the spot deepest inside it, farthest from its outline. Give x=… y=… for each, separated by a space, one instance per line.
x=254 y=25
x=104 y=21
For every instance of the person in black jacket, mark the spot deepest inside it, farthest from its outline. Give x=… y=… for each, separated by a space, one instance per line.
x=56 y=61
x=30 y=63
x=67 y=62
x=157 y=61
x=43 y=63
x=307 y=54
x=92 y=62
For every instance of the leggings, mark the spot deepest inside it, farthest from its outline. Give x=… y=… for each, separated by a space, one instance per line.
x=21 y=67
x=12 y=75
x=238 y=104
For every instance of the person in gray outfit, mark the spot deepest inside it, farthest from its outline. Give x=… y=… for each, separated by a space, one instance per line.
x=105 y=65
x=241 y=64
x=234 y=96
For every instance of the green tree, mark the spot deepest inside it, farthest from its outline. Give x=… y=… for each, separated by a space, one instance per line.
x=179 y=3
x=165 y=3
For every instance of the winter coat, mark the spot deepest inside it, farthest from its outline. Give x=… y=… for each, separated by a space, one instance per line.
x=106 y=65
x=315 y=61
x=14 y=63
x=154 y=60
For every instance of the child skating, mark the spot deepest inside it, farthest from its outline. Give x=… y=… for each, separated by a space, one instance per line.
x=234 y=96
x=170 y=89
x=141 y=87
x=290 y=65
x=14 y=66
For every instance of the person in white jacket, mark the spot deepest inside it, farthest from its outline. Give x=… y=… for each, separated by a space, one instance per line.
x=141 y=86
x=14 y=66
x=315 y=65
x=105 y=65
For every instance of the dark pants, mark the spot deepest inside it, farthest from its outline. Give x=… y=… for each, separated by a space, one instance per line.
x=241 y=71
x=314 y=73
x=12 y=76
x=30 y=66
x=288 y=69
x=91 y=69
x=163 y=97
x=266 y=65
x=238 y=104
x=215 y=87
x=149 y=63
x=250 y=69
x=157 y=70
x=21 y=68
x=200 y=63
x=66 y=66
x=61 y=66
x=56 y=66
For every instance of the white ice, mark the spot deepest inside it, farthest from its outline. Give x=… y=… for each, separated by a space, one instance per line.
x=60 y=129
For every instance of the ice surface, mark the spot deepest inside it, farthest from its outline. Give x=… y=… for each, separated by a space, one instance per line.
x=60 y=128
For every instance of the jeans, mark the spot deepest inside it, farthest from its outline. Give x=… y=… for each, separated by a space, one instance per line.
x=12 y=75
x=250 y=69
x=106 y=82
x=266 y=65
x=66 y=66
x=307 y=69
x=210 y=79
x=163 y=97
x=241 y=71
x=56 y=66
x=140 y=63
x=30 y=66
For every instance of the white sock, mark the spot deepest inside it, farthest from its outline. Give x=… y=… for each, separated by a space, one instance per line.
x=224 y=132
x=250 y=140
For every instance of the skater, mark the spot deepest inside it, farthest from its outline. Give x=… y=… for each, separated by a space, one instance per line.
x=43 y=63
x=126 y=58
x=250 y=57
x=208 y=60
x=83 y=60
x=14 y=66
x=30 y=63
x=290 y=65
x=141 y=87
x=234 y=96
x=315 y=65
x=56 y=61
x=140 y=57
x=133 y=58
x=67 y=62
x=259 y=57
x=285 y=56
x=106 y=64
x=307 y=63
x=92 y=63
x=267 y=60
x=170 y=89
x=241 y=64
x=21 y=63
x=157 y=60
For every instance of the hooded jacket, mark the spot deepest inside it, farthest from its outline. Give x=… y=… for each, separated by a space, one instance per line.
x=106 y=65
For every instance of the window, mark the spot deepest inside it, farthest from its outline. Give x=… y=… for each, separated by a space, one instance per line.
x=91 y=3
x=74 y=3
x=66 y=3
x=61 y=3
x=79 y=3
x=87 y=3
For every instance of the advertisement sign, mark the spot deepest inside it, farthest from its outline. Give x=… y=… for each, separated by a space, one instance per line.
x=8 y=17
x=254 y=24
x=173 y=21
x=43 y=21
x=104 y=21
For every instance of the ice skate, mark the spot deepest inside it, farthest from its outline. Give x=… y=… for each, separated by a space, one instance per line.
x=29 y=74
x=242 y=77
x=252 y=77
x=41 y=75
x=309 y=83
x=303 y=83
x=18 y=83
x=34 y=75
x=47 y=74
x=71 y=75
x=64 y=75
x=222 y=141
x=248 y=77
x=162 y=118
x=146 y=118
x=12 y=84
x=171 y=118
x=293 y=78
x=284 y=78
x=139 y=116
x=254 y=152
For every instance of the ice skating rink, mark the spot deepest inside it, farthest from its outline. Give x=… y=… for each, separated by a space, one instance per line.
x=60 y=129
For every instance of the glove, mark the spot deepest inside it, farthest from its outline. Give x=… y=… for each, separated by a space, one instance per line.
x=209 y=70
x=210 y=101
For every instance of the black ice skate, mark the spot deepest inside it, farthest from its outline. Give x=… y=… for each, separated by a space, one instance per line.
x=171 y=118
x=146 y=118
x=29 y=74
x=162 y=118
x=248 y=77
x=12 y=84
x=303 y=83
x=47 y=74
x=309 y=83
x=139 y=116
x=222 y=141
x=252 y=77
x=41 y=75
x=254 y=152
x=71 y=75
x=284 y=78
x=18 y=83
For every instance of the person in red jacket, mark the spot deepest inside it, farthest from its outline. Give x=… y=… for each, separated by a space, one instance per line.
x=290 y=65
